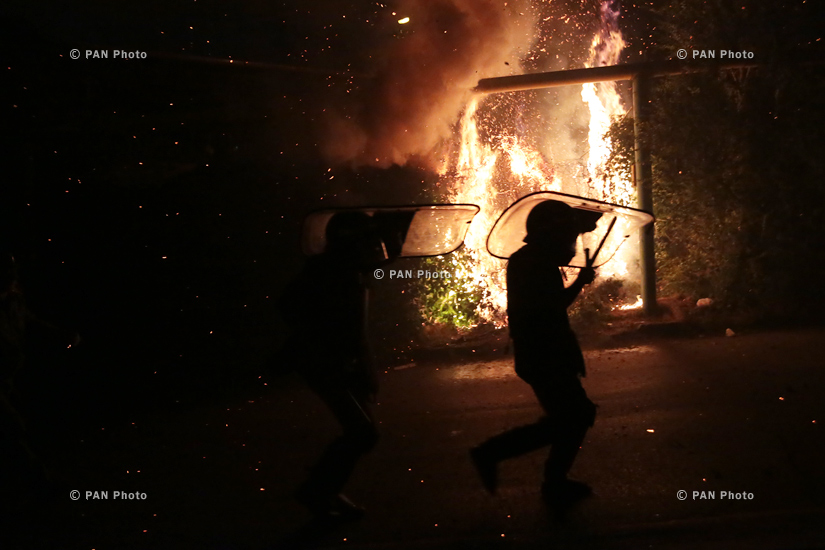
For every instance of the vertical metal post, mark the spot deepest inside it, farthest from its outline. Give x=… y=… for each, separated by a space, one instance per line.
x=644 y=190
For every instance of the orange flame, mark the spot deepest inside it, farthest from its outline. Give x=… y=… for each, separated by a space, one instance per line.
x=495 y=172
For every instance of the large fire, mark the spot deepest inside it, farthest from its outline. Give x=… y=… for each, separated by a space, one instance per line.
x=495 y=170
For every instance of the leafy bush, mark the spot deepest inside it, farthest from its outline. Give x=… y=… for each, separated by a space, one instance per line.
x=454 y=300
x=596 y=302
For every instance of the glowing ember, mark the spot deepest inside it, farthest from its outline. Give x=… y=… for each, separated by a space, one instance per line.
x=635 y=305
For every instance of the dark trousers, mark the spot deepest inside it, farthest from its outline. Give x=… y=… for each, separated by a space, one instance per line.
x=350 y=407
x=568 y=415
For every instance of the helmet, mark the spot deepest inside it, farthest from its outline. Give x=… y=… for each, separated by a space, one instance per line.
x=549 y=217
x=346 y=230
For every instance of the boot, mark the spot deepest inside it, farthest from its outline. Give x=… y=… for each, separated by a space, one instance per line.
x=487 y=468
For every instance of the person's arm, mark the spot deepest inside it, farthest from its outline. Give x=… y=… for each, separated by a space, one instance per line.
x=585 y=277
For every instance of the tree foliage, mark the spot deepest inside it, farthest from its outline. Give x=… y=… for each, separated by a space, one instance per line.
x=737 y=162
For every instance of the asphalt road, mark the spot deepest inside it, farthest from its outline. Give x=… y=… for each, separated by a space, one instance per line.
x=740 y=414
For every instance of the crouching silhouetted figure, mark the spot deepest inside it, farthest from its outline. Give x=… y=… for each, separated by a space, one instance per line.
x=327 y=308
x=547 y=353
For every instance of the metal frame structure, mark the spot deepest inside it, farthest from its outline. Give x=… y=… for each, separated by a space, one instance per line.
x=639 y=74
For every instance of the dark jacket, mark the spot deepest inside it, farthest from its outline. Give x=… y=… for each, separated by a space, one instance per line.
x=544 y=344
x=325 y=307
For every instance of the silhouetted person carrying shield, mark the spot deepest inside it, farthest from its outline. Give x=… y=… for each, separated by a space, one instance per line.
x=327 y=308
x=547 y=353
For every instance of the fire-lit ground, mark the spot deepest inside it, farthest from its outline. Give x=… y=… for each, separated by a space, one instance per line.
x=739 y=414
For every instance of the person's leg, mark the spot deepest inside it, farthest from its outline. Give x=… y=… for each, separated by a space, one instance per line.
x=563 y=426
x=335 y=466
x=517 y=441
x=567 y=441
x=512 y=443
x=571 y=414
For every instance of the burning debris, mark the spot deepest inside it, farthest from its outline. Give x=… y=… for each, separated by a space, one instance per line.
x=493 y=170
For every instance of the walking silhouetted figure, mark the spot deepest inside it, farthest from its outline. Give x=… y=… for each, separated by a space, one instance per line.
x=547 y=353
x=327 y=308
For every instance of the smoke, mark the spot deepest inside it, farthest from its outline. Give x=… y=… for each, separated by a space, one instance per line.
x=424 y=78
